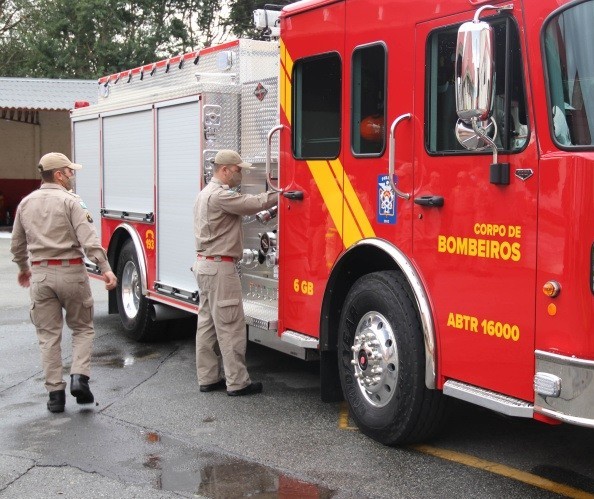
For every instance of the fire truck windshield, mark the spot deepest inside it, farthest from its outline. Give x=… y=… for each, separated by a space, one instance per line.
x=569 y=49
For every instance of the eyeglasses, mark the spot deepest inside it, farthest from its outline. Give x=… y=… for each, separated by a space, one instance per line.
x=69 y=170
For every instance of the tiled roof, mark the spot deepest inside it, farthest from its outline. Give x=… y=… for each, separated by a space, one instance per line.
x=45 y=94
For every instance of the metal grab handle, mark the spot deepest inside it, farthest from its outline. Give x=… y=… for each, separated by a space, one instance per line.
x=392 y=154
x=277 y=128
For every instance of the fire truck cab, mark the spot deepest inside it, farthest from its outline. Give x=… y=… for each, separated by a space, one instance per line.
x=435 y=228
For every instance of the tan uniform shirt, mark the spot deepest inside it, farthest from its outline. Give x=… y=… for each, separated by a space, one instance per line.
x=217 y=218
x=52 y=223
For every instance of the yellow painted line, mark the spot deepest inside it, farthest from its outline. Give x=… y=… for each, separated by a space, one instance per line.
x=481 y=464
x=503 y=470
x=343 y=418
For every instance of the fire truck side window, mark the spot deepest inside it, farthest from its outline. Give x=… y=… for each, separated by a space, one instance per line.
x=316 y=107
x=568 y=41
x=509 y=108
x=368 y=135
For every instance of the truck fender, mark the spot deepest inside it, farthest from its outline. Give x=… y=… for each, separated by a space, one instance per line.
x=121 y=234
x=363 y=257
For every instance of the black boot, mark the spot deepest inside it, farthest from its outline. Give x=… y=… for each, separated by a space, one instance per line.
x=79 y=388
x=56 y=401
x=251 y=389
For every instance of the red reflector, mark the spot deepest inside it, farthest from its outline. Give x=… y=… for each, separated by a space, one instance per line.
x=81 y=103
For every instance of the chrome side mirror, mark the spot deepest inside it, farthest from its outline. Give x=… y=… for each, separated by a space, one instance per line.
x=476 y=129
x=474 y=71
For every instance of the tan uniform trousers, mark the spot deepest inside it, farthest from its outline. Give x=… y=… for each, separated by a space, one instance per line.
x=221 y=325
x=53 y=288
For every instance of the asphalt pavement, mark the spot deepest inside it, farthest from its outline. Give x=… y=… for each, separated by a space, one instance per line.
x=152 y=433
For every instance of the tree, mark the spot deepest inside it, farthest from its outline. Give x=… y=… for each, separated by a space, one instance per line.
x=240 y=19
x=10 y=46
x=203 y=21
x=91 y=38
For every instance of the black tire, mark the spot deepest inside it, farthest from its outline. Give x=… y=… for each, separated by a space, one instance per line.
x=134 y=308
x=380 y=328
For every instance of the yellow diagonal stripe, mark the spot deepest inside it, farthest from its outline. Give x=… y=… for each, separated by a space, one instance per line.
x=286 y=58
x=353 y=206
x=329 y=189
x=335 y=187
x=286 y=69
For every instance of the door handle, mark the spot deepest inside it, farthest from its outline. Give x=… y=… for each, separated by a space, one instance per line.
x=431 y=201
x=293 y=194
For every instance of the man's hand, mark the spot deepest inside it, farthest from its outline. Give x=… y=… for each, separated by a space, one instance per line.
x=24 y=278
x=111 y=281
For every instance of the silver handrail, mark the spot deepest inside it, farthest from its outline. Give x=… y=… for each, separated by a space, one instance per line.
x=392 y=154
x=277 y=128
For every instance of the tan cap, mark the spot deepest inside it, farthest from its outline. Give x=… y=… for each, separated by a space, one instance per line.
x=229 y=157
x=54 y=160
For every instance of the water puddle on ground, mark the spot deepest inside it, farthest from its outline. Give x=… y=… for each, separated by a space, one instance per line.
x=221 y=477
x=116 y=358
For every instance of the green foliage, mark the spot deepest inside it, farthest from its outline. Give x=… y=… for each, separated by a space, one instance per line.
x=92 y=38
x=11 y=47
x=88 y=38
x=240 y=19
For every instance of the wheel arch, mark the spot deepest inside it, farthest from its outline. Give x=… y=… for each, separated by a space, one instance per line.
x=122 y=234
x=364 y=257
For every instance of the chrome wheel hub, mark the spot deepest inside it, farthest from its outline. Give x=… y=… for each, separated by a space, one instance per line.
x=375 y=359
x=130 y=290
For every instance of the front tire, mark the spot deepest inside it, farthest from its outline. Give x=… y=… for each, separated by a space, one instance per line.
x=134 y=308
x=381 y=362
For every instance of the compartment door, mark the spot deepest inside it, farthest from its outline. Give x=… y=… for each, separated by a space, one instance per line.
x=178 y=179
x=85 y=137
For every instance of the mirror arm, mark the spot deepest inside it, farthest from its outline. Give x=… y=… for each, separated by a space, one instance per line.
x=478 y=130
x=478 y=13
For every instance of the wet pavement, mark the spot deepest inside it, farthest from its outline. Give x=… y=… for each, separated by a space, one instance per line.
x=99 y=451
x=98 y=441
x=152 y=434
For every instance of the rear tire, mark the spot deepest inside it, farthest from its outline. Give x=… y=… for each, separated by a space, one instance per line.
x=134 y=308
x=381 y=362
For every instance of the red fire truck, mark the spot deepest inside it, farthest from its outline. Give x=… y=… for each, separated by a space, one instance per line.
x=434 y=235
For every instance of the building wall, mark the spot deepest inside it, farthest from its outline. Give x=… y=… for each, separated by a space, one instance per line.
x=22 y=144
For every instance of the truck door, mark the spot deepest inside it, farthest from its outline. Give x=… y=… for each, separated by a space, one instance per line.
x=477 y=252
x=310 y=217
x=377 y=59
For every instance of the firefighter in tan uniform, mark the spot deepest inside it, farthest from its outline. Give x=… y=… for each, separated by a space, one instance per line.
x=219 y=245
x=52 y=232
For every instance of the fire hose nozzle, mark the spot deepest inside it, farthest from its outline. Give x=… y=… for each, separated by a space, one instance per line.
x=266 y=216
